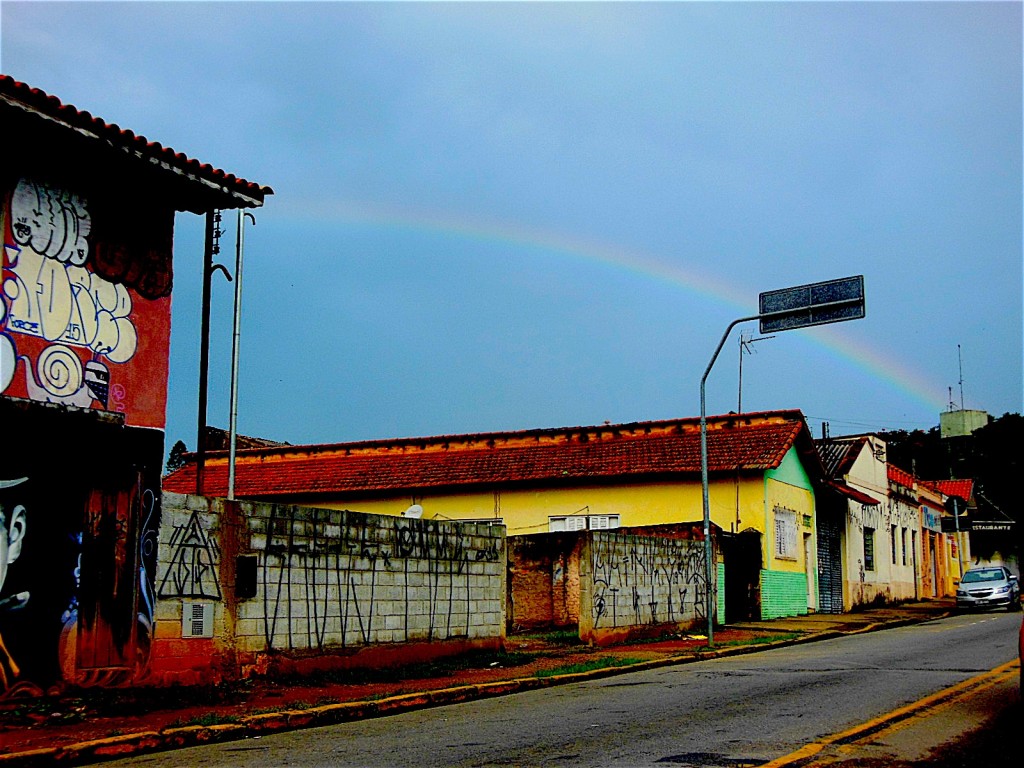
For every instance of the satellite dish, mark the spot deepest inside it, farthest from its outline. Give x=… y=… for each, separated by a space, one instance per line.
x=415 y=511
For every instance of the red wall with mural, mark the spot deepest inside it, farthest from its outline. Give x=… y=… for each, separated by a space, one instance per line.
x=85 y=304
x=85 y=307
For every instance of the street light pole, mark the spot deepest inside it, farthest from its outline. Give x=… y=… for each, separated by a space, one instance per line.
x=832 y=301
x=709 y=596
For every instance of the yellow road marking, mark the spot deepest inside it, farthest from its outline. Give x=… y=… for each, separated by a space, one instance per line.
x=898 y=717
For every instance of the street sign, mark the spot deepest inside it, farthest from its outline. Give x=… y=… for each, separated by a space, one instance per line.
x=816 y=304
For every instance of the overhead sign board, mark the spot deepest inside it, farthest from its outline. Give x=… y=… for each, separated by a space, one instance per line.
x=816 y=304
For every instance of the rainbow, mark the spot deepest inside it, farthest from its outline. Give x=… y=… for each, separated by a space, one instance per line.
x=874 y=363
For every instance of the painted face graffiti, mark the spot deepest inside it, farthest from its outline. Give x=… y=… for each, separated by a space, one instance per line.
x=12 y=533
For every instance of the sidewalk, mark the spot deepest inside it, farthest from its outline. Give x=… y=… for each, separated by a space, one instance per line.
x=105 y=724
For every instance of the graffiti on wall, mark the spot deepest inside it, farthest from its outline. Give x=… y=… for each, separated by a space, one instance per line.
x=77 y=552
x=194 y=560
x=326 y=576
x=646 y=580
x=72 y=332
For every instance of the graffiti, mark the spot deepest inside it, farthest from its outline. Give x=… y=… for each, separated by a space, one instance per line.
x=69 y=307
x=53 y=222
x=339 y=578
x=50 y=295
x=67 y=326
x=193 y=568
x=13 y=526
x=663 y=579
x=87 y=554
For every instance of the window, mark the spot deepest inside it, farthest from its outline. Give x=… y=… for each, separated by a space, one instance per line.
x=903 y=539
x=582 y=522
x=892 y=543
x=785 y=533
x=869 y=549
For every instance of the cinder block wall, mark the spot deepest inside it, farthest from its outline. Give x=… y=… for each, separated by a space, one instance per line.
x=293 y=589
x=632 y=584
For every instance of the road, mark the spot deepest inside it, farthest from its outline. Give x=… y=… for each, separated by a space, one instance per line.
x=736 y=711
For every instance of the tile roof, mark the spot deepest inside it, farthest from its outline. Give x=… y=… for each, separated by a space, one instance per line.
x=900 y=476
x=623 y=453
x=962 y=489
x=18 y=98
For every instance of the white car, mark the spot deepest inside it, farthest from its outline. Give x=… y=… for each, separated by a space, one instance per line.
x=990 y=586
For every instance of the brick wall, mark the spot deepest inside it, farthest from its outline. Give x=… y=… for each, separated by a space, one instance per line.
x=293 y=588
x=544 y=574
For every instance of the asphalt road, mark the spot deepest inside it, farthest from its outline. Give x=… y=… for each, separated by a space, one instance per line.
x=744 y=710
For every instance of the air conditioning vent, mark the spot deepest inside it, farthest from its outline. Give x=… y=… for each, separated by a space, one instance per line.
x=197 y=620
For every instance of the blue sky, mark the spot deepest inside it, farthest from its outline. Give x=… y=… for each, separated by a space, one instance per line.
x=514 y=215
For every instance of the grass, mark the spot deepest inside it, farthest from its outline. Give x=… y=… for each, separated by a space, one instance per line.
x=586 y=666
x=759 y=640
x=556 y=637
x=207 y=718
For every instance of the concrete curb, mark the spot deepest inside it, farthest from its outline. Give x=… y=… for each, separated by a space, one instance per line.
x=251 y=726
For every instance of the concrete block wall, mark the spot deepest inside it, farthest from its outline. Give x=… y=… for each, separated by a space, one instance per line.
x=329 y=585
x=630 y=584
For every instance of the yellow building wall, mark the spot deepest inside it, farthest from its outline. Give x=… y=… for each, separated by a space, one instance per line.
x=801 y=501
x=734 y=505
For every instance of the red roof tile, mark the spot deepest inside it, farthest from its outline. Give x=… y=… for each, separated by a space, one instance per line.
x=962 y=489
x=625 y=453
x=15 y=93
x=900 y=476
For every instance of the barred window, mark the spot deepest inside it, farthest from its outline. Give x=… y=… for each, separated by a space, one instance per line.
x=785 y=533
x=869 y=549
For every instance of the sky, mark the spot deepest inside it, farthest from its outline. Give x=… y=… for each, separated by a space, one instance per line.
x=504 y=216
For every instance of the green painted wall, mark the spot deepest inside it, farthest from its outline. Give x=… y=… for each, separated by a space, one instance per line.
x=720 y=602
x=791 y=471
x=783 y=594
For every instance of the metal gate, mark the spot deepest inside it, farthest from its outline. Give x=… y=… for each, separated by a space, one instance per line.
x=830 y=563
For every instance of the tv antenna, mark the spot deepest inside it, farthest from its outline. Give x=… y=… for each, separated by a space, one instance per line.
x=746 y=346
x=960 y=365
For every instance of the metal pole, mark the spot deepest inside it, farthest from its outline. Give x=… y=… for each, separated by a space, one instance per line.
x=204 y=350
x=708 y=552
x=959 y=539
x=235 y=343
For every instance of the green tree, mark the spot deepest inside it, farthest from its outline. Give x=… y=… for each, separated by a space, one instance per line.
x=176 y=458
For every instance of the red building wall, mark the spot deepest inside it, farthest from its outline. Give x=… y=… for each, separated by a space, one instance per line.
x=84 y=344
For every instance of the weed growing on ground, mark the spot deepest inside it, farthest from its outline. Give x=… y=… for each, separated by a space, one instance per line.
x=557 y=637
x=207 y=718
x=586 y=666
x=759 y=640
